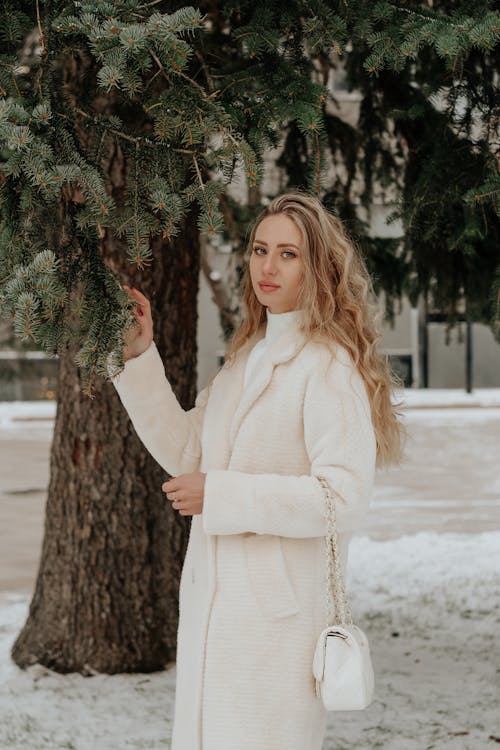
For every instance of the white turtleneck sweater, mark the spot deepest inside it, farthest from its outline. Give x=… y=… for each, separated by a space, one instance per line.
x=277 y=323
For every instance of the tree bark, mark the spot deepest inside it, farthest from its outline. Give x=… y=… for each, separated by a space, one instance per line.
x=106 y=595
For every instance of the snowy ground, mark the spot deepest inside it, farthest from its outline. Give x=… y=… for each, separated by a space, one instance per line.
x=424 y=583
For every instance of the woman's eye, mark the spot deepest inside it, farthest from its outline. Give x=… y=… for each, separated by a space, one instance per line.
x=289 y=252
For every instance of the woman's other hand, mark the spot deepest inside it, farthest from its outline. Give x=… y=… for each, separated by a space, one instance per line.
x=186 y=492
x=139 y=337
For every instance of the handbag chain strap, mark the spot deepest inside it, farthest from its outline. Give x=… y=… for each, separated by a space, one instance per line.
x=338 y=609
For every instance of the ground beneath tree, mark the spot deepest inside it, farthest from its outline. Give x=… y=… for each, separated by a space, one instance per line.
x=423 y=579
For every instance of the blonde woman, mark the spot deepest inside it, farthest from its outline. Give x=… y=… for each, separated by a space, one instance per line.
x=303 y=392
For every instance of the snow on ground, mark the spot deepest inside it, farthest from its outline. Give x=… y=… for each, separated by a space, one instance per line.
x=430 y=605
x=429 y=397
x=429 y=602
x=15 y=413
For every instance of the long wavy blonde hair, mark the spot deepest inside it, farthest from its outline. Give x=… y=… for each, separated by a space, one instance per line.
x=339 y=304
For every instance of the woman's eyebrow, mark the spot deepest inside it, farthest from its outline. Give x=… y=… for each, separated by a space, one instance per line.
x=281 y=244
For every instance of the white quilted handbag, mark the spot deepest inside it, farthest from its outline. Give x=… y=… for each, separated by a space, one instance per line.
x=342 y=665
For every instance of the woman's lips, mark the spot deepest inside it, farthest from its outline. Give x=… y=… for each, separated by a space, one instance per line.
x=268 y=287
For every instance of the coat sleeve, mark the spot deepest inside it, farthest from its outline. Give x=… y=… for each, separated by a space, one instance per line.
x=341 y=445
x=170 y=434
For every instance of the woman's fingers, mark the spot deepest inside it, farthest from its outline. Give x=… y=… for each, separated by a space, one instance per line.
x=180 y=501
x=143 y=300
x=140 y=299
x=136 y=293
x=179 y=495
x=183 y=507
x=138 y=337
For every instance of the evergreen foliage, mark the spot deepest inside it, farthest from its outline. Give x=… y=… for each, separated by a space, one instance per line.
x=182 y=145
x=441 y=107
x=189 y=94
x=427 y=136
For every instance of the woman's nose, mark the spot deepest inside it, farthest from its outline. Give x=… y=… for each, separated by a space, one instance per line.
x=269 y=264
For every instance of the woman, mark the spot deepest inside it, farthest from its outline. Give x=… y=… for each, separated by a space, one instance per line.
x=303 y=392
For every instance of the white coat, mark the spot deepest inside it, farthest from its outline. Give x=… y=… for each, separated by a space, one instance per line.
x=252 y=599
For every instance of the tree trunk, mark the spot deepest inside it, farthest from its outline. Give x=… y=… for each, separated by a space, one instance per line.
x=106 y=596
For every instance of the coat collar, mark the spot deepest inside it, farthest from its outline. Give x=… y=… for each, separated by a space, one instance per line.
x=279 y=350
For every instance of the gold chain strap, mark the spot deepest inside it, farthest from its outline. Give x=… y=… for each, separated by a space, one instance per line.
x=338 y=609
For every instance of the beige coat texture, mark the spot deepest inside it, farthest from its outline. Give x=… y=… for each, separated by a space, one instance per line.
x=252 y=598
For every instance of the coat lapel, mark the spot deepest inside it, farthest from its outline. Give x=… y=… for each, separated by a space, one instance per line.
x=279 y=350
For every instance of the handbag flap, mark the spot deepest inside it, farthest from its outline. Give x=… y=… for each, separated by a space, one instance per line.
x=320 y=651
x=319 y=656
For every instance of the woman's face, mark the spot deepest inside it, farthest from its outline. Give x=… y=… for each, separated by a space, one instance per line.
x=276 y=257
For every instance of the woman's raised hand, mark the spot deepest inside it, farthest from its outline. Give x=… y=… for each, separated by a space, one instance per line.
x=139 y=337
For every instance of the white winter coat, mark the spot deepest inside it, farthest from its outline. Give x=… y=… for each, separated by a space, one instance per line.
x=252 y=591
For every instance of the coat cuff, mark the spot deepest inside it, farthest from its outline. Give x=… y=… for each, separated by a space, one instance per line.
x=285 y=505
x=221 y=513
